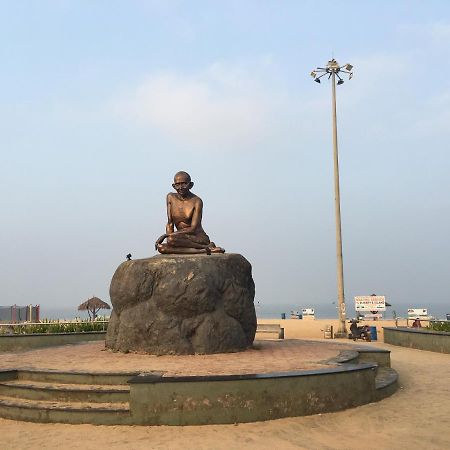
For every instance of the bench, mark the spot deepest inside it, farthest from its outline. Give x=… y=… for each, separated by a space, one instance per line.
x=271 y=328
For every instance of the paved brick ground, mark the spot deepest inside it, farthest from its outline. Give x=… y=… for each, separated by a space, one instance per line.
x=266 y=356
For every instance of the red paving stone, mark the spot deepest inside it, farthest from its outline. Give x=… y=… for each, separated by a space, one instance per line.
x=264 y=357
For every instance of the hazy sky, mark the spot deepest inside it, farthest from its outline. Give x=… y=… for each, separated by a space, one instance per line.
x=101 y=102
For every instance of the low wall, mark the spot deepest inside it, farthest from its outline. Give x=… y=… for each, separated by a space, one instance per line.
x=19 y=342
x=433 y=341
x=197 y=400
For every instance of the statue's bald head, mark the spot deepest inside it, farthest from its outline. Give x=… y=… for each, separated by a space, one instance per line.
x=182 y=174
x=182 y=183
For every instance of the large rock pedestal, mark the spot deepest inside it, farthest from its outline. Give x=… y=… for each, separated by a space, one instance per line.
x=177 y=304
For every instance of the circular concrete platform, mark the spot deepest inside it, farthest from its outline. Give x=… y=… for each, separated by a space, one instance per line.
x=84 y=383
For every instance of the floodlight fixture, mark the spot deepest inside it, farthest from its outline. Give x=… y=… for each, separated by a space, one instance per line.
x=317 y=79
x=333 y=69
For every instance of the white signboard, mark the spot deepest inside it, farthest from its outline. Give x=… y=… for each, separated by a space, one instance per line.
x=370 y=303
x=417 y=312
x=308 y=311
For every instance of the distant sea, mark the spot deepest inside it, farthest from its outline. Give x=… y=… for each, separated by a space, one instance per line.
x=67 y=313
x=435 y=309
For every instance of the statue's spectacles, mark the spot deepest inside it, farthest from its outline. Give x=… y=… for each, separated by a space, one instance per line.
x=184 y=184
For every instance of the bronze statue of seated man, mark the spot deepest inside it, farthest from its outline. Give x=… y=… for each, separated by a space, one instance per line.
x=184 y=212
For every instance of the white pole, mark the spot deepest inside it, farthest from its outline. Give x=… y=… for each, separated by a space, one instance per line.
x=342 y=329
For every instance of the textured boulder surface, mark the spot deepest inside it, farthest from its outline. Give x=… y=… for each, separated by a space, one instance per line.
x=182 y=304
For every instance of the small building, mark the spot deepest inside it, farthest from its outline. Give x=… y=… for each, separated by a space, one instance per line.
x=308 y=313
x=18 y=314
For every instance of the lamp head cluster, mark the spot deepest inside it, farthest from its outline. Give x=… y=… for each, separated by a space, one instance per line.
x=331 y=68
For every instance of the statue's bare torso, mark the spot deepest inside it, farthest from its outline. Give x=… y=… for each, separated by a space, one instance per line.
x=182 y=210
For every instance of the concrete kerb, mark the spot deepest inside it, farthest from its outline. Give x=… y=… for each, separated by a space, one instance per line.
x=196 y=400
x=249 y=398
x=420 y=339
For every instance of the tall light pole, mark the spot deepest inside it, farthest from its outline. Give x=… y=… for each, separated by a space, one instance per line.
x=334 y=70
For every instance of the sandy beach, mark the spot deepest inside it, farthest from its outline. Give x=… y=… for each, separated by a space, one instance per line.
x=417 y=416
x=314 y=329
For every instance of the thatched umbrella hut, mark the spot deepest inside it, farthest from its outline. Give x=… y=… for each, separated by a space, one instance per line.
x=93 y=306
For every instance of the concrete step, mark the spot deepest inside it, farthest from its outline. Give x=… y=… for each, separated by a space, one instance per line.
x=64 y=412
x=64 y=392
x=386 y=382
x=379 y=356
x=98 y=378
